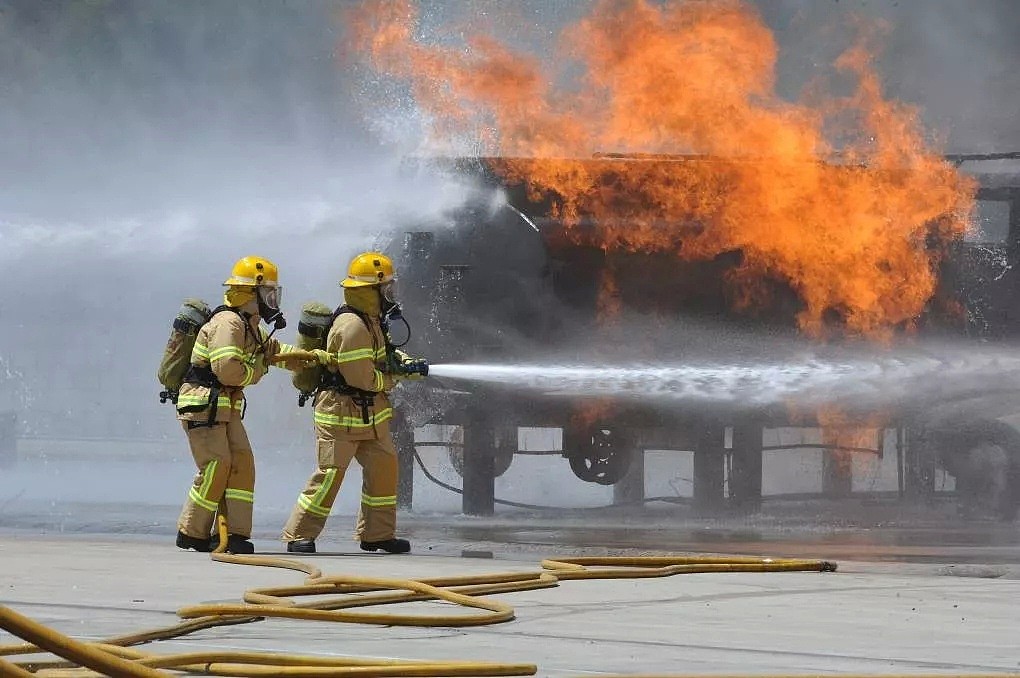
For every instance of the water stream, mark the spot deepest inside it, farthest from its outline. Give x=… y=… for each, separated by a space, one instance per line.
x=859 y=379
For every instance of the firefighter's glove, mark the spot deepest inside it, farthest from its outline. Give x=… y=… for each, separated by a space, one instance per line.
x=324 y=358
x=258 y=364
x=297 y=359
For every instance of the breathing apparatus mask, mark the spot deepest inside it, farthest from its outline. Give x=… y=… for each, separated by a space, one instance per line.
x=400 y=364
x=388 y=299
x=269 y=299
x=391 y=310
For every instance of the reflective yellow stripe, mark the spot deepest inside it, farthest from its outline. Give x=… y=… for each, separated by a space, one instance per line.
x=378 y=380
x=240 y=495
x=200 y=495
x=226 y=352
x=306 y=503
x=222 y=402
x=199 y=351
x=356 y=354
x=353 y=422
x=207 y=477
x=327 y=483
x=378 y=502
x=380 y=353
x=326 y=419
x=203 y=503
x=249 y=375
x=286 y=348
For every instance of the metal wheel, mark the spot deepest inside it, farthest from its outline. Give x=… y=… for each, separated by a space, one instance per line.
x=505 y=447
x=597 y=454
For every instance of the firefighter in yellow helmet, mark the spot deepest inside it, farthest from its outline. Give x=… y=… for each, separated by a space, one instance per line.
x=353 y=412
x=231 y=352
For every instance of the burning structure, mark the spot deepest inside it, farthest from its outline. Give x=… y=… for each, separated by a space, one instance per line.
x=512 y=282
x=831 y=218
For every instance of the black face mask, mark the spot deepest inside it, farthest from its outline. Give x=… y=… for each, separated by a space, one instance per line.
x=273 y=316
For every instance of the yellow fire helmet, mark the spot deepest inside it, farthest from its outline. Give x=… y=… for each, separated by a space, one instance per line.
x=253 y=272
x=368 y=268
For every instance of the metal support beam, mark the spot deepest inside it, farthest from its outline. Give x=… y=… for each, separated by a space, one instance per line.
x=403 y=439
x=479 y=464
x=919 y=466
x=631 y=488
x=745 y=479
x=450 y=326
x=709 y=460
x=901 y=461
x=837 y=473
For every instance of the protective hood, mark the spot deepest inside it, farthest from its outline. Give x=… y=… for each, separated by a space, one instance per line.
x=241 y=297
x=365 y=299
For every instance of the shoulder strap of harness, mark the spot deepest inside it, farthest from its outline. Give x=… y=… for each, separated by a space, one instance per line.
x=204 y=376
x=344 y=308
x=334 y=381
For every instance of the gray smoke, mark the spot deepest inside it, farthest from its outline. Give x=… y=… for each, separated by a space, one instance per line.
x=955 y=60
x=145 y=147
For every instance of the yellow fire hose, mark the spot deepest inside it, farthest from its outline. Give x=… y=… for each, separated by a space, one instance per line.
x=113 y=656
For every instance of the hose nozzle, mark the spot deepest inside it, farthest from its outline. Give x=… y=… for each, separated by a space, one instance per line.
x=415 y=366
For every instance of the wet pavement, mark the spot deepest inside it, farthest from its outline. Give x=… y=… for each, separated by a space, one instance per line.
x=970 y=542
x=888 y=532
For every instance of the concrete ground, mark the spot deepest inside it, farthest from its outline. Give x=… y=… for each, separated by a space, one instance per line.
x=865 y=618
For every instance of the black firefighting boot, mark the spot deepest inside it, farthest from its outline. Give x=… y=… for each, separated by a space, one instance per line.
x=235 y=544
x=239 y=544
x=388 y=545
x=301 y=546
x=186 y=542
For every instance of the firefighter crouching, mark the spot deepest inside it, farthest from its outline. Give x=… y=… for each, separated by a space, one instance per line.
x=231 y=351
x=353 y=411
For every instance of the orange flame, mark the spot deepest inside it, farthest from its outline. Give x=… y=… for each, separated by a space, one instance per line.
x=588 y=413
x=850 y=236
x=850 y=438
x=608 y=304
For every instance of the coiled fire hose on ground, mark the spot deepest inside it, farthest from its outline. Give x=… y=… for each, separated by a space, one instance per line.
x=115 y=656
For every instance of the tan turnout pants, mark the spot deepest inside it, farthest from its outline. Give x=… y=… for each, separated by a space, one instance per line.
x=225 y=480
x=377 y=519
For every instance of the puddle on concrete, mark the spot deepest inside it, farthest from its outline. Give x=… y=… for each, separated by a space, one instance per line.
x=964 y=544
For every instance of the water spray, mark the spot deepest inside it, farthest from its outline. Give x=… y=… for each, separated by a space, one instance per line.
x=864 y=380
